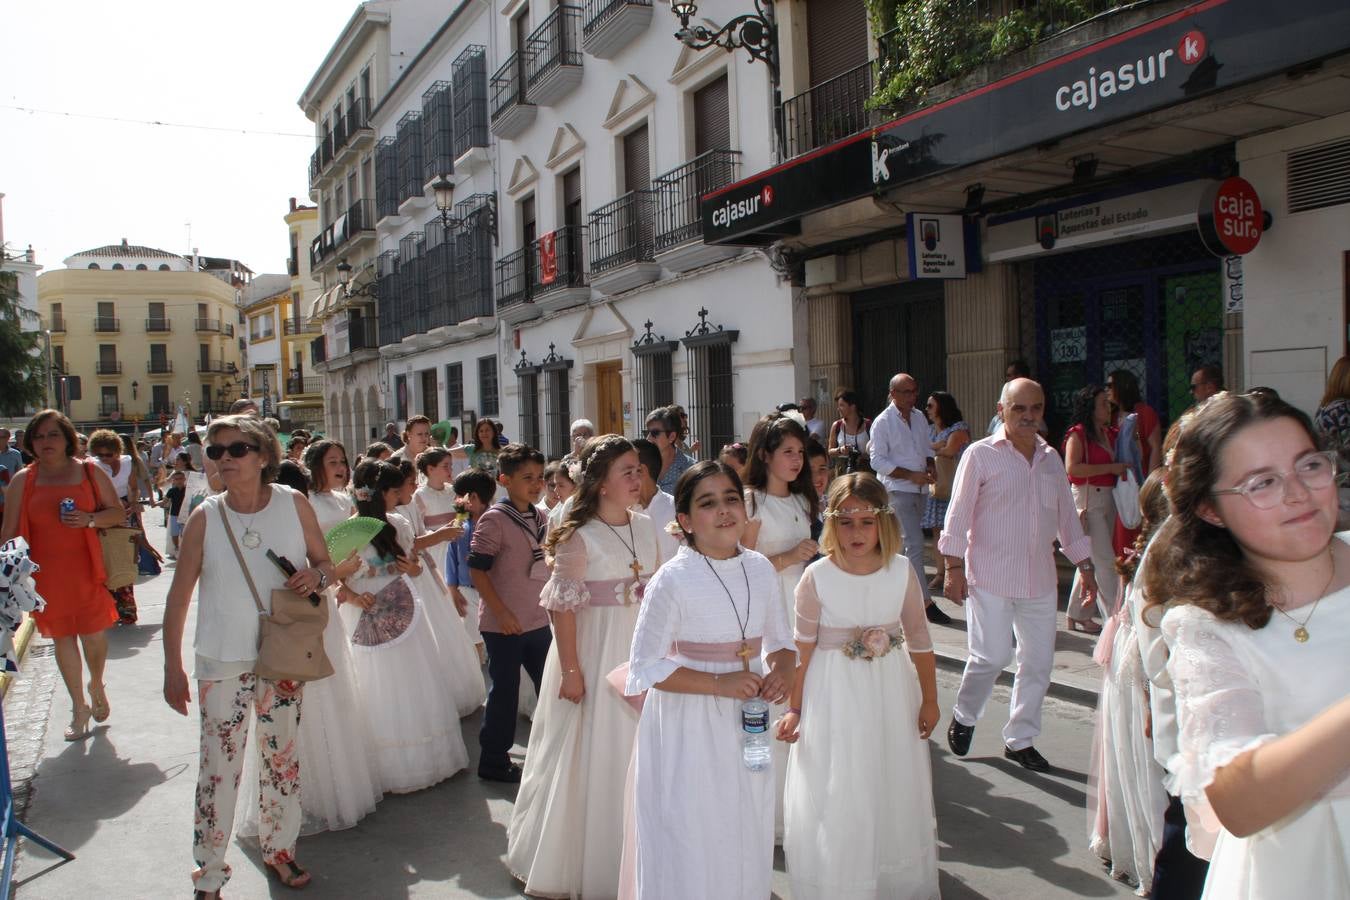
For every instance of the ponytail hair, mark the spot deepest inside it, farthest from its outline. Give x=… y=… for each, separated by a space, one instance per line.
x=371 y=479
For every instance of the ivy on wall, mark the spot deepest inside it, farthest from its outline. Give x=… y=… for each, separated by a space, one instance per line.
x=928 y=42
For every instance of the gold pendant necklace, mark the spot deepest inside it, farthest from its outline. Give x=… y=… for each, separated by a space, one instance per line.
x=1301 y=628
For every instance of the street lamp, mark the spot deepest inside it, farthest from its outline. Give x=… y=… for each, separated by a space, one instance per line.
x=135 y=385
x=344 y=270
x=444 y=189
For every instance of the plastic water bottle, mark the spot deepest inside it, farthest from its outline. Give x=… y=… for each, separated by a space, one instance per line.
x=755 y=749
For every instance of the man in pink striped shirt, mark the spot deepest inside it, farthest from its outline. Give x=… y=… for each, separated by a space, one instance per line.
x=1010 y=502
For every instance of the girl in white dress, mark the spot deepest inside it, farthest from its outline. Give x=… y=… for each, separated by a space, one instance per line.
x=431 y=512
x=566 y=833
x=1126 y=808
x=782 y=504
x=416 y=730
x=339 y=781
x=1257 y=592
x=711 y=625
x=859 y=812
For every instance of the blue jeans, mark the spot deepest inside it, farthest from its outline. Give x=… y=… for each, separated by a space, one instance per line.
x=506 y=654
x=908 y=508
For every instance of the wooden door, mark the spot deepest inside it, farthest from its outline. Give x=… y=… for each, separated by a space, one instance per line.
x=609 y=398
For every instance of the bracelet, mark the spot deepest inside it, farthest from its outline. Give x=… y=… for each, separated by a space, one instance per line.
x=570 y=671
x=795 y=709
x=950 y=567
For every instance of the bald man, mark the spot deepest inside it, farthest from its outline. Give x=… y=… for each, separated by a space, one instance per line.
x=1010 y=503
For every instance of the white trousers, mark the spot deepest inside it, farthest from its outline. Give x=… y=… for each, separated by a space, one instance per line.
x=1097 y=509
x=991 y=623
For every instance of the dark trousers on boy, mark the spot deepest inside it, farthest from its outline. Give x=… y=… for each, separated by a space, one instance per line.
x=507 y=653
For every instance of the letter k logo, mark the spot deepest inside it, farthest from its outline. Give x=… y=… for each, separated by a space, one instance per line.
x=880 y=172
x=1192 y=48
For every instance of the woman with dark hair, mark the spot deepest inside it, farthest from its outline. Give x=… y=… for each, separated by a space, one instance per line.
x=481 y=452
x=411 y=716
x=711 y=634
x=1122 y=389
x=849 y=435
x=664 y=427
x=252 y=517
x=64 y=544
x=782 y=505
x=378 y=451
x=1092 y=467
x=566 y=834
x=1333 y=421
x=1253 y=586
x=951 y=436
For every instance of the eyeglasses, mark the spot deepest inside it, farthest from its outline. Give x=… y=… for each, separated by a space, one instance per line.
x=238 y=450
x=1265 y=490
x=656 y=432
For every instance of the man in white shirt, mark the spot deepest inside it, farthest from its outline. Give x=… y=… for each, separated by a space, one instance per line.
x=655 y=502
x=902 y=457
x=814 y=426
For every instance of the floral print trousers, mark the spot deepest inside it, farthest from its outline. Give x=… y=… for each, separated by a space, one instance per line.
x=225 y=713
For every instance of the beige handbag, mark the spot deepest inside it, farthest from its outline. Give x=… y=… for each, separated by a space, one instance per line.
x=946 y=475
x=119 y=556
x=290 y=638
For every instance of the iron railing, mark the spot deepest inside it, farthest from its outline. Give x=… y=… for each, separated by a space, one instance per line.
x=214 y=366
x=531 y=272
x=356 y=119
x=304 y=385
x=293 y=266
x=159 y=367
x=508 y=87
x=555 y=43
x=599 y=12
x=409 y=143
x=679 y=194
x=829 y=111
x=470 y=99
x=107 y=323
x=386 y=177
x=57 y=323
x=363 y=334
x=318 y=350
x=621 y=231
x=473 y=270
x=108 y=367
x=297 y=326
x=158 y=325
x=206 y=325
x=227 y=329
x=438 y=134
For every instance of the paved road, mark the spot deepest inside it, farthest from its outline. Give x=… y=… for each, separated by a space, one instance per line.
x=122 y=801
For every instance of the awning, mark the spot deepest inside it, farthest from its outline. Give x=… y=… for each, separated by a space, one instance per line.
x=325 y=303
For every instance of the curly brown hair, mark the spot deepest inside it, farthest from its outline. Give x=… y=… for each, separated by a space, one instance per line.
x=597 y=457
x=1192 y=561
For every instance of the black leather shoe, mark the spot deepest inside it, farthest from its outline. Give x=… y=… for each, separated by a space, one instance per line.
x=510 y=774
x=936 y=616
x=959 y=737
x=1028 y=758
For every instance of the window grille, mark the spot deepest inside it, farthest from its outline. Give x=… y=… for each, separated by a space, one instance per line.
x=487 y=386
x=655 y=367
x=386 y=177
x=559 y=410
x=454 y=390
x=469 y=74
x=712 y=410
x=527 y=381
x=438 y=138
x=409 y=142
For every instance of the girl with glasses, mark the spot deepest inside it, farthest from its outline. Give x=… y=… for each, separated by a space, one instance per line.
x=1253 y=588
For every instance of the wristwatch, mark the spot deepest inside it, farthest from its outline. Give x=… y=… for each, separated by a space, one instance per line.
x=1086 y=566
x=89 y=523
x=323 y=580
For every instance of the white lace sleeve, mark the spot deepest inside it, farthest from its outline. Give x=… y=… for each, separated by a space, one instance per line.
x=1220 y=708
x=649 y=661
x=566 y=589
x=766 y=583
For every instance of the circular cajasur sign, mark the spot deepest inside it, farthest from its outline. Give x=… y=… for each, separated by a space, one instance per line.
x=1231 y=218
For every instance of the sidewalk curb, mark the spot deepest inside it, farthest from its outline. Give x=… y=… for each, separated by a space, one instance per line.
x=22 y=639
x=1061 y=690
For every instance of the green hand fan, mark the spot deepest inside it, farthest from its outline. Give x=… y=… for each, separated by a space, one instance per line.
x=350 y=536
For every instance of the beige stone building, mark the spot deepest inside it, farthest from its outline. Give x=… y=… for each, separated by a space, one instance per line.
x=137 y=331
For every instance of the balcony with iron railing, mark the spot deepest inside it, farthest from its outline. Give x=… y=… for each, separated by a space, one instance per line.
x=679 y=194
x=621 y=243
x=610 y=25
x=215 y=367
x=107 y=323
x=107 y=367
x=512 y=109
x=303 y=384
x=293 y=267
x=208 y=325
x=553 y=68
x=829 y=111
x=109 y=409
x=297 y=326
x=158 y=325
x=549 y=273
x=159 y=367
x=350 y=133
x=227 y=329
x=318 y=350
x=57 y=323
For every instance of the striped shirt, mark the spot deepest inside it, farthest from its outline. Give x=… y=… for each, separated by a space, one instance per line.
x=1005 y=514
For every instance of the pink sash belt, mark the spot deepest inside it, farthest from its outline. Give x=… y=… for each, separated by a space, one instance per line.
x=610 y=592
x=829 y=637
x=436 y=520
x=726 y=651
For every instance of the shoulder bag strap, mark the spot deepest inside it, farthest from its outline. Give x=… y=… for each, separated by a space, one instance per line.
x=248 y=576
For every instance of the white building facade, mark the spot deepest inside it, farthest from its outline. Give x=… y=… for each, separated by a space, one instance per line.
x=566 y=275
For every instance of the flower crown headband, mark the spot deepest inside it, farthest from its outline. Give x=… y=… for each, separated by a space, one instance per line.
x=874 y=510
x=363 y=494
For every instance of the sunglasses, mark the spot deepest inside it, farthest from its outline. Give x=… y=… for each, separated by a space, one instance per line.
x=656 y=432
x=238 y=450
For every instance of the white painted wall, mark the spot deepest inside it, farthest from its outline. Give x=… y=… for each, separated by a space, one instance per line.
x=1294 y=325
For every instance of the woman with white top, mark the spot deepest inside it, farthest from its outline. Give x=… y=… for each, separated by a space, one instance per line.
x=261 y=516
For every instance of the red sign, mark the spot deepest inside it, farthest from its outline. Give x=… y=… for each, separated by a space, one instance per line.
x=1231 y=219
x=548 y=258
x=1192 y=48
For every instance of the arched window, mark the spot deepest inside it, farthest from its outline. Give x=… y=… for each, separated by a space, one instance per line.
x=141 y=267
x=118 y=266
x=164 y=267
x=93 y=265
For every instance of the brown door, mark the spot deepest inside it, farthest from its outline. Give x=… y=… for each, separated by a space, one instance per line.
x=609 y=398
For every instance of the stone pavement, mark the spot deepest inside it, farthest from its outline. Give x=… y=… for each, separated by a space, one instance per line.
x=122 y=800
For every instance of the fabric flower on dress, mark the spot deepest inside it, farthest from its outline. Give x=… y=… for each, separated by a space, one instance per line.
x=871 y=643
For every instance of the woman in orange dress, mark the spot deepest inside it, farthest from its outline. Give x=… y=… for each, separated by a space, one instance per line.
x=66 y=547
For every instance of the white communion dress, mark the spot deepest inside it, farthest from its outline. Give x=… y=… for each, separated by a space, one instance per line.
x=415 y=727
x=566 y=833
x=1236 y=689
x=859 y=817
x=703 y=821
x=339 y=778
x=1125 y=822
x=784 y=523
x=430 y=510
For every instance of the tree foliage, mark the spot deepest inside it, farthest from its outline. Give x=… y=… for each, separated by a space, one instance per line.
x=22 y=365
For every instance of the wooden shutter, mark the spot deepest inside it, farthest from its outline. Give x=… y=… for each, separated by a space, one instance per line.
x=571 y=189
x=637 y=173
x=712 y=118
x=836 y=37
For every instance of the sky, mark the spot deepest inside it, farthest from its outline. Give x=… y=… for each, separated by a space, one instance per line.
x=71 y=183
